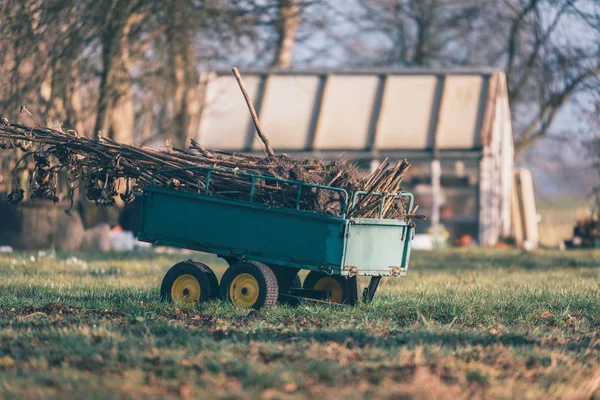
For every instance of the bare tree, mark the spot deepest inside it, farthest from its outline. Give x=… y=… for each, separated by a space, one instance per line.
x=548 y=48
x=115 y=114
x=547 y=67
x=414 y=32
x=65 y=22
x=20 y=32
x=107 y=66
x=287 y=28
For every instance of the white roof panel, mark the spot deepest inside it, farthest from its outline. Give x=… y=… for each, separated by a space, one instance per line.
x=286 y=111
x=225 y=117
x=346 y=112
x=459 y=112
x=379 y=110
x=405 y=113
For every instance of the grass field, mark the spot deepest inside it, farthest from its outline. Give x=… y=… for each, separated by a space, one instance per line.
x=483 y=324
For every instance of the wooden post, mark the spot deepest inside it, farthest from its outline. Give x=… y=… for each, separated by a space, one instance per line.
x=259 y=131
x=436 y=174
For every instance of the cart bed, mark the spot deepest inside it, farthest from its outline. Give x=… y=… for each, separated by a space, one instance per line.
x=277 y=236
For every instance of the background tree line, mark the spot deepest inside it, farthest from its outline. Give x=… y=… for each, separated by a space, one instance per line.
x=131 y=68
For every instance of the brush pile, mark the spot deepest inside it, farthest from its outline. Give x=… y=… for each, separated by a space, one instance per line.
x=106 y=170
x=586 y=232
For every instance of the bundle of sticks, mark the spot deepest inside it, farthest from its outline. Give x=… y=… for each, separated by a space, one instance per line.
x=107 y=169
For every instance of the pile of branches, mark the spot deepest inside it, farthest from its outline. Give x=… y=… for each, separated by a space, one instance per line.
x=588 y=231
x=106 y=169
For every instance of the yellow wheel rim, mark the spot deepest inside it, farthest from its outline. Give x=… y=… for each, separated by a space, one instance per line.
x=333 y=286
x=186 y=290
x=244 y=290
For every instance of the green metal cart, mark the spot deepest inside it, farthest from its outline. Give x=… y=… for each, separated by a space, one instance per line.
x=267 y=246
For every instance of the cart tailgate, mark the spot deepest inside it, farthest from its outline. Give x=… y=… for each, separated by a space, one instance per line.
x=377 y=247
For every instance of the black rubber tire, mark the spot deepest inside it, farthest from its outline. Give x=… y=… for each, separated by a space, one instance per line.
x=347 y=294
x=214 y=282
x=201 y=272
x=287 y=278
x=268 y=289
x=296 y=282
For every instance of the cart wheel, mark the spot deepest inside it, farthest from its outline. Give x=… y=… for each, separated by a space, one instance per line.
x=188 y=283
x=287 y=278
x=249 y=284
x=339 y=287
x=212 y=278
x=296 y=282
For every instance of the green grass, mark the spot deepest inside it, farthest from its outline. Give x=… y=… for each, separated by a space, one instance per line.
x=491 y=324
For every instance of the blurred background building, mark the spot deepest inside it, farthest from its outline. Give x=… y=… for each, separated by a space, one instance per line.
x=454 y=125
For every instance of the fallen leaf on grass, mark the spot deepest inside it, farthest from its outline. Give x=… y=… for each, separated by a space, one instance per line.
x=546 y=314
x=290 y=387
x=7 y=362
x=187 y=362
x=185 y=391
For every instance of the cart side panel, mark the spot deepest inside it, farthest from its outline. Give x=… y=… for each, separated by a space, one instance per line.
x=224 y=227
x=377 y=247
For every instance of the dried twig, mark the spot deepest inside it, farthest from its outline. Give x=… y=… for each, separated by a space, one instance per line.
x=259 y=131
x=99 y=164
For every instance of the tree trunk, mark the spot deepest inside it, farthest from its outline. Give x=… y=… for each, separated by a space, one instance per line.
x=56 y=94
x=287 y=28
x=74 y=106
x=115 y=102
x=183 y=74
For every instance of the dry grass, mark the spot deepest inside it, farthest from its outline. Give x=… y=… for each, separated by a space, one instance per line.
x=480 y=324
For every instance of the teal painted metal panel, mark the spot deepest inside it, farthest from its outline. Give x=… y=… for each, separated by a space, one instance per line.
x=224 y=227
x=282 y=236
x=377 y=247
